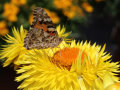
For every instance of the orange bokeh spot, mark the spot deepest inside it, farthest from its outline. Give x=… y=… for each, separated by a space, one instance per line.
x=65 y=57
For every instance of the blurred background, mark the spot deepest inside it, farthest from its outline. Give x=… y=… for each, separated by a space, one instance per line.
x=92 y=20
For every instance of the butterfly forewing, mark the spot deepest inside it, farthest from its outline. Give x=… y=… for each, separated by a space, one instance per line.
x=42 y=33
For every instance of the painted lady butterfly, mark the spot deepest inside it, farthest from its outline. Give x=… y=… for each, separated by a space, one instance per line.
x=42 y=33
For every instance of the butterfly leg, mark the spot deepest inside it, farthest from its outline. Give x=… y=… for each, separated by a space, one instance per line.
x=60 y=51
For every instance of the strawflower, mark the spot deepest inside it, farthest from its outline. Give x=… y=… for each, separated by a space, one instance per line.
x=14 y=51
x=75 y=66
x=19 y=2
x=10 y=12
x=3 y=28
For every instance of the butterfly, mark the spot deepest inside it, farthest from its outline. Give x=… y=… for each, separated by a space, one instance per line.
x=42 y=33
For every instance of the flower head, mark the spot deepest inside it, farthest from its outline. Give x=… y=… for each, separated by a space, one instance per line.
x=3 y=29
x=14 y=52
x=11 y=16
x=61 y=33
x=72 y=67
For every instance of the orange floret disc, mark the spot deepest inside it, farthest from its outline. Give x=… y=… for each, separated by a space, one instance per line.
x=65 y=57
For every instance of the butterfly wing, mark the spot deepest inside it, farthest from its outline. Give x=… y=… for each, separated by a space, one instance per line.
x=42 y=33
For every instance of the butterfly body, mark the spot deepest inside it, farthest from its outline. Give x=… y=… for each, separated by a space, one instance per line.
x=42 y=33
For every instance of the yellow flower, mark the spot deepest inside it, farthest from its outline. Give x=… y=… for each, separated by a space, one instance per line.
x=87 y=7
x=14 y=51
x=62 y=4
x=55 y=19
x=61 y=33
x=19 y=2
x=10 y=12
x=75 y=66
x=73 y=11
x=3 y=29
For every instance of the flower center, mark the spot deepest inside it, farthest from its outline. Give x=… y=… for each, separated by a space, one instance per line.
x=65 y=57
